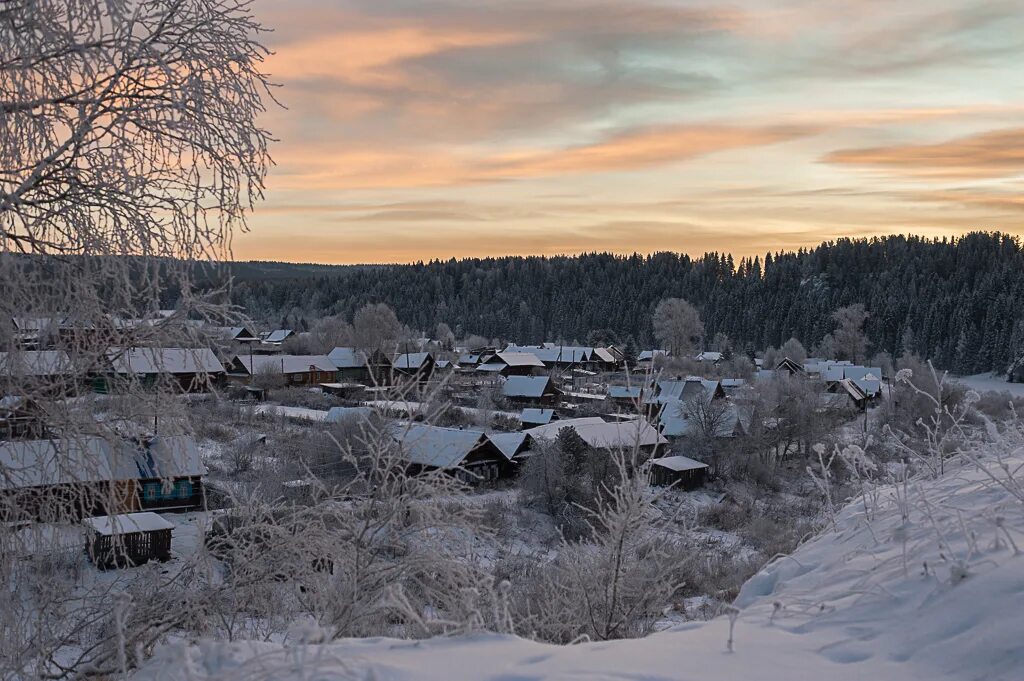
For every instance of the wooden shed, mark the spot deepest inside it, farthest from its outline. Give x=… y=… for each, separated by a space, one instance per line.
x=128 y=539
x=681 y=471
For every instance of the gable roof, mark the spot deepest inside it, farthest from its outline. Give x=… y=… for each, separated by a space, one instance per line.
x=516 y=359
x=164 y=456
x=347 y=358
x=164 y=361
x=37 y=463
x=412 y=360
x=435 y=446
x=510 y=444
x=277 y=336
x=527 y=386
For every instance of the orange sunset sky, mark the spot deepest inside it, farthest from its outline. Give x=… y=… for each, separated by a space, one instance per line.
x=417 y=129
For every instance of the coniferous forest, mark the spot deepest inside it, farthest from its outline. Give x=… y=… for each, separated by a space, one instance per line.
x=959 y=301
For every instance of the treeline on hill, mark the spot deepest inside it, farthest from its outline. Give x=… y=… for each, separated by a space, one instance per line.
x=959 y=302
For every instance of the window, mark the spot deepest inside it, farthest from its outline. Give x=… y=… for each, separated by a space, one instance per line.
x=184 y=489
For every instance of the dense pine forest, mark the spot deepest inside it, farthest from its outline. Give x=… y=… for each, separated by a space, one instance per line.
x=959 y=302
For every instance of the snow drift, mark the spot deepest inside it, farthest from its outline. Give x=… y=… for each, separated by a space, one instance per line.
x=920 y=580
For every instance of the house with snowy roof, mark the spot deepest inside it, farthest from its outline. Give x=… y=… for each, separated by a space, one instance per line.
x=295 y=369
x=470 y=455
x=537 y=391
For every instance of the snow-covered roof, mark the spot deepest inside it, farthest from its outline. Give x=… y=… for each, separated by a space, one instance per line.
x=435 y=446
x=277 y=335
x=347 y=358
x=517 y=359
x=678 y=463
x=38 y=463
x=35 y=363
x=625 y=392
x=692 y=388
x=709 y=356
x=141 y=361
x=285 y=364
x=510 y=444
x=551 y=353
x=336 y=414
x=165 y=457
x=127 y=523
x=412 y=360
x=648 y=355
x=540 y=416
x=525 y=386
x=604 y=355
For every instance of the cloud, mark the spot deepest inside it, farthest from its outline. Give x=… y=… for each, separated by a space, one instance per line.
x=993 y=154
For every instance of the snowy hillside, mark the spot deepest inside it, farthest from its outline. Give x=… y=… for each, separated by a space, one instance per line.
x=921 y=581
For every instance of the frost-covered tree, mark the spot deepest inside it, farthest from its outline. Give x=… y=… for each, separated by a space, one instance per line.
x=129 y=153
x=677 y=326
x=849 y=341
x=375 y=327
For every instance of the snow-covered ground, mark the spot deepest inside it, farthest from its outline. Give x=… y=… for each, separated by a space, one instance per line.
x=984 y=383
x=923 y=582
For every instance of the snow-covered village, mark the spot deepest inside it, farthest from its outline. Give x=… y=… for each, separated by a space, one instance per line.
x=450 y=340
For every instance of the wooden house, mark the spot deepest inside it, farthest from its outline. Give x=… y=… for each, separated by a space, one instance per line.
x=356 y=365
x=416 y=366
x=56 y=479
x=127 y=540
x=513 y=364
x=294 y=369
x=531 y=390
x=470 y=455
x=188 y=369
x=166 y=471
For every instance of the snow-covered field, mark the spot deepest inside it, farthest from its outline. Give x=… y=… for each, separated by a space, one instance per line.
x=923 y=582
x=984 y=383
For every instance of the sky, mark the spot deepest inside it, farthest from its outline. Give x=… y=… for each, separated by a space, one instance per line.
x=422 y=129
